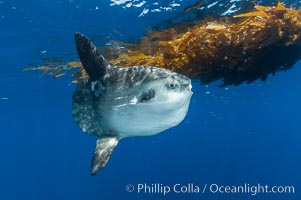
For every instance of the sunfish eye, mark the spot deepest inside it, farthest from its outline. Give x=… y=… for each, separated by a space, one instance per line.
x=147 y=96
x=172 y=85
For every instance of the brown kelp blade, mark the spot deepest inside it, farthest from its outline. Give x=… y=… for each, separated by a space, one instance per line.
x=238 y=49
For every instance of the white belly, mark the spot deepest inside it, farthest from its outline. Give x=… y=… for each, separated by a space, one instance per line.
x=141 y=120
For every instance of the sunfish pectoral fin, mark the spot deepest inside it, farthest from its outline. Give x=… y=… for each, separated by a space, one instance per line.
x=93 y=62
x=103 y=150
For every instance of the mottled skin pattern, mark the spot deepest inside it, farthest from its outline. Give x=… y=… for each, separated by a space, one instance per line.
x=110 y=92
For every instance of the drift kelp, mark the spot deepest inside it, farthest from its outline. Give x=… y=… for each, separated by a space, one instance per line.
x=245 y=47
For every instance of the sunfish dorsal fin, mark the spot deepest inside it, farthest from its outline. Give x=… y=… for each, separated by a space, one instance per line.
x=93 y=62
x=105 y=145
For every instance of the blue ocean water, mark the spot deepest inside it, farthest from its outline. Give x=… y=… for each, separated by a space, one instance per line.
x=248 y=134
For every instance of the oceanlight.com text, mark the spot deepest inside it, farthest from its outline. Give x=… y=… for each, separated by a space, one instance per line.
x=192 y=188
x=251 y=189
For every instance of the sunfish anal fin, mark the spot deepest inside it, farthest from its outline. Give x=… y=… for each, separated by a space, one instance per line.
x=105 y=145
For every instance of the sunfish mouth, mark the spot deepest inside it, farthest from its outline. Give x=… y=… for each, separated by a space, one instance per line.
x=116 y=103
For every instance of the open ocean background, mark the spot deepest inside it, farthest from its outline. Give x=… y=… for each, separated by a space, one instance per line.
x=231 y=136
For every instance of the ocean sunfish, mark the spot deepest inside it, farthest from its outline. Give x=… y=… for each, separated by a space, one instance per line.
x=115 y=103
